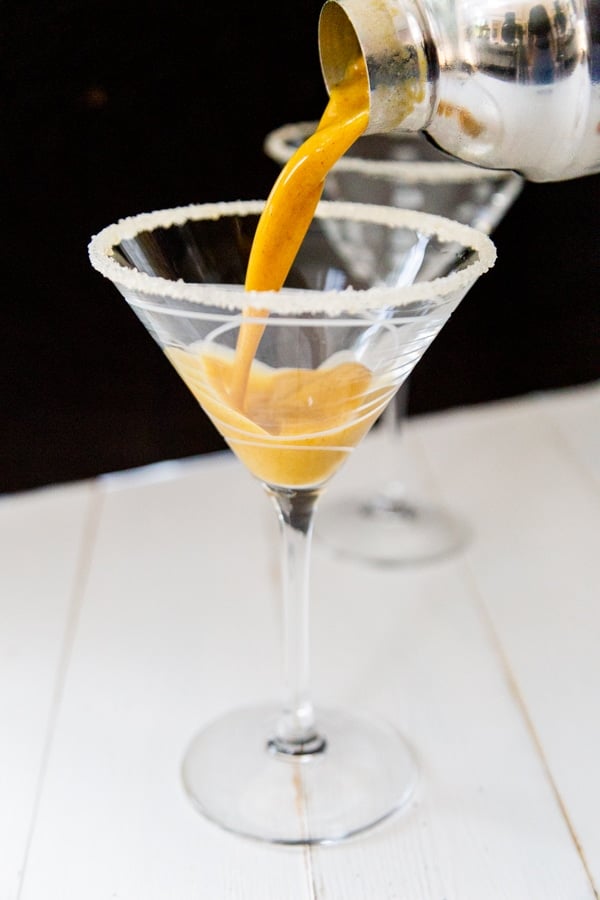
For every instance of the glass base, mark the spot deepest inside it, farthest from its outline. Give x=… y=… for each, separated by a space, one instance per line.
x=387 y=530
x=362 y=774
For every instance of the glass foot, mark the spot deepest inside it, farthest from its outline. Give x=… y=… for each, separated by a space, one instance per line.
x=361 y=773
x=389 y=531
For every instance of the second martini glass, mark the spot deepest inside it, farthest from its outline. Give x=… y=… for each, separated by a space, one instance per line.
x=334 y=346
x=392 y=524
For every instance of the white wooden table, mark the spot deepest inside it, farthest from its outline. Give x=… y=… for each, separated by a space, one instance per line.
x=126 y=621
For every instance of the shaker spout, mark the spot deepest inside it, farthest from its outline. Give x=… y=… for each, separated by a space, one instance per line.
x=390 y=40
x=496 y=87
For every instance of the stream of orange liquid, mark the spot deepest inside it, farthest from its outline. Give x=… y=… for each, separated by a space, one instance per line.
x=291 y=427
x=291 y=205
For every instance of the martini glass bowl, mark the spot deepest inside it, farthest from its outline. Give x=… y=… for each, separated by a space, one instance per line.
x=390 y=523
x=357 y=312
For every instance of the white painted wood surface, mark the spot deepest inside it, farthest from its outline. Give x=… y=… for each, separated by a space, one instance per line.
x=43 y=560
x=126 y=623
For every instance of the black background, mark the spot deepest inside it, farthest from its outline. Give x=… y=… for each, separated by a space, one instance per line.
x=110 y=109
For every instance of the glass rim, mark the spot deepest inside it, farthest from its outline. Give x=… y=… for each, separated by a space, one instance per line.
x=279 y=145
x=292 y=300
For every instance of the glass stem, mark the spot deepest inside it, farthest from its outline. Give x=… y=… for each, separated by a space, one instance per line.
x=399 y=407
x=391 y=497
x=296 y=732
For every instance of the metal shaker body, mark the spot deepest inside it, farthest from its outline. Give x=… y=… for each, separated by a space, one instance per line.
x=505 y=84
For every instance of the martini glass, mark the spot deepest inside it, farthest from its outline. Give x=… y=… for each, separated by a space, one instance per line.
x=390 y=524
x=336 y=342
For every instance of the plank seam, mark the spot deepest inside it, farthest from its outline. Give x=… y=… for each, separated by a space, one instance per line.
x=524 y=711
x=504 y=662
x=88 y=539
x=552 y=419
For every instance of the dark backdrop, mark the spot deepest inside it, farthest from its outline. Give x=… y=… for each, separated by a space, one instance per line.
x=115 y=108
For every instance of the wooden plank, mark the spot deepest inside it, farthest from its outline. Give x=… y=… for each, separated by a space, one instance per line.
x=535 y=559
x=174 y=631
x=576 y=411
x=42 y=555
x=414 y=646
x=440 y=650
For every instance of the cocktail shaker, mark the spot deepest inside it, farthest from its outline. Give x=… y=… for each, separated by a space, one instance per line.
x=498 y=83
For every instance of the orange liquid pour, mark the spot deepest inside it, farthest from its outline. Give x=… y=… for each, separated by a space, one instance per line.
x=290 y=427
x=291 y=205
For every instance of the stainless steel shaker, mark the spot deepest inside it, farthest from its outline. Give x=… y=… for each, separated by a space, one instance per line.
x=505 y=84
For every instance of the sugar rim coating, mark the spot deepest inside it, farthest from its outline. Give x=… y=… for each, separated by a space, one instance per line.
x=281 y=143
x=289 y=300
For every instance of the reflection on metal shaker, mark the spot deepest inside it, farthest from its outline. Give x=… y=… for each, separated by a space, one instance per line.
x=498 y=84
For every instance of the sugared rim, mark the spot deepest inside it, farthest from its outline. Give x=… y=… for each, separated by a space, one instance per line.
x=288 y=300
x=281 y=143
